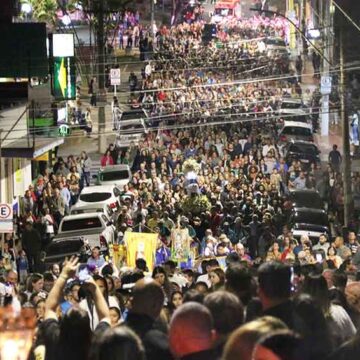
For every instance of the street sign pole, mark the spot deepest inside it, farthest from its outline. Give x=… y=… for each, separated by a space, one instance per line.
x=114 y=90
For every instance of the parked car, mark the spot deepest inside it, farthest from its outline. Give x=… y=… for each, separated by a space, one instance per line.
x=306 y=199
x=276 y=46
x=78 y=231
x=118 y=175
x=295 y=130
x=304 y=151
x=130 y=131
x=310 y=222
x=99 y=195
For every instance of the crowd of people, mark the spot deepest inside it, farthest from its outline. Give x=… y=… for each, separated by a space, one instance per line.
x=251 y=289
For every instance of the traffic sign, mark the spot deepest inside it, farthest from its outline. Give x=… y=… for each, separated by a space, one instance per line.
x=325 y=88
x=6 y=218
x=115 y=77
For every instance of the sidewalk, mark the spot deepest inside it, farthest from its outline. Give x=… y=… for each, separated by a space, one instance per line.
x=324 y=143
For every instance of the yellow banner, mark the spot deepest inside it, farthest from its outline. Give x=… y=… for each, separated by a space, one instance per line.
x=140 y=246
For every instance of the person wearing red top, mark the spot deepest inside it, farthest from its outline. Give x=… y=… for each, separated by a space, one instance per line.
x=107 y=159
x=161 y=96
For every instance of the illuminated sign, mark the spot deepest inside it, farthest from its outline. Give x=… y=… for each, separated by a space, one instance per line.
x=64 y=130
x=64 y=79
x=63 y=45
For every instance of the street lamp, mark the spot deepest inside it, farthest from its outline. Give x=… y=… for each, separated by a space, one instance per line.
x=26 y=8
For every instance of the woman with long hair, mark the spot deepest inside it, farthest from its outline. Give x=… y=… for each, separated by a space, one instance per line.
x=217 y=279
x=160 y=276
x=87 y=302
x=339 y=321
x=176 y=300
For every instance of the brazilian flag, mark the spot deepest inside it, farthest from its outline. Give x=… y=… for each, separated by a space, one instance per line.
x=64 y=78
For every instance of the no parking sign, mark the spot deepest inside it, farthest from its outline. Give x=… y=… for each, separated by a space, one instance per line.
x=6 y=218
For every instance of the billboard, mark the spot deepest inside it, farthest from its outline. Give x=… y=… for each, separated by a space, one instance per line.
x=64 y=78
x=23 y=50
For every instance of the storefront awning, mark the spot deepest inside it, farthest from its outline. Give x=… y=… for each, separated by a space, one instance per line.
x=22 y=148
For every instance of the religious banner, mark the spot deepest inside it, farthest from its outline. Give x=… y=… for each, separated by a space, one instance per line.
x=180 y=248
x=140 y=246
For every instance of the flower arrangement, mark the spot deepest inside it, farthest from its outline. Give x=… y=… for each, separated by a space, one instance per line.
x=195 y=204
x=190 y=165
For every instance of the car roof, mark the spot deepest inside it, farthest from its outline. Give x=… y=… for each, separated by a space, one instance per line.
x=97 y=188
x=82 y=216
x=109 y=168
x=297 y=124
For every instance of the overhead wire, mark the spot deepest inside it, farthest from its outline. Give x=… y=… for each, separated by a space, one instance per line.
x=247 y=117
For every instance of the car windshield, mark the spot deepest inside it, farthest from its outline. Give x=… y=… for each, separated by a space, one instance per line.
x=304 y=199
x=95 y=196
x=223 y=11
x=296 y=131
x=311 y=218
x=81 y=224
x=304 y=148
x=291 y=105
x=85 y=211
x=114 y=175
x=64 y=247
x=277 y=42
x=132 y=115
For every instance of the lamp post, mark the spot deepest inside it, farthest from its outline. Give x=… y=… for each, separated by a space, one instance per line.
x=326 y=67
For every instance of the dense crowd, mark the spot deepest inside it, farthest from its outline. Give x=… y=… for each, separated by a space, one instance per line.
x=250 y=290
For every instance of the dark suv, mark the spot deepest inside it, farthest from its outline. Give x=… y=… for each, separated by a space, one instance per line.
x=305 y=151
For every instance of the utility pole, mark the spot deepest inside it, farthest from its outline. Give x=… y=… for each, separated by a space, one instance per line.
x=101 y=75
x=345 y=136
x=152 y=10
x=326 y=70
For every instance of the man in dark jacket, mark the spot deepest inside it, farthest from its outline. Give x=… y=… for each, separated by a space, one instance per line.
x=275 y=291
x=31 y=243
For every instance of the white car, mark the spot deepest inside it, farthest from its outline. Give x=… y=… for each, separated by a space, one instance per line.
x=131 y=131
x=118 y=175
x=295 y=130
x=98 y=196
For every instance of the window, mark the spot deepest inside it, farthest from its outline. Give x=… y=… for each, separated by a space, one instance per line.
x=276 y=42
x=114 y=175
x=291 y=105
x=296 y=131
x=95 y=197
x=304 y=149
x=64 y=247
x=311 y=218
x=136 y=127
x=81 y=224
